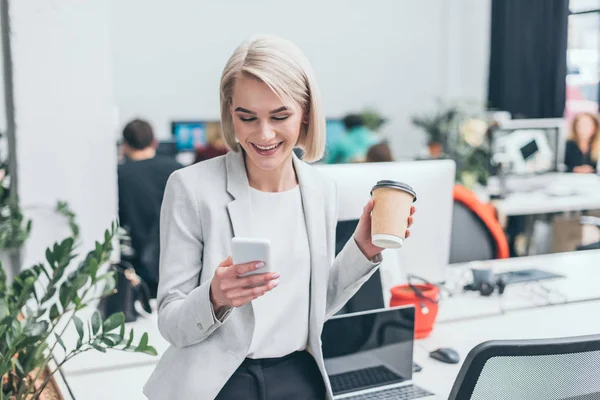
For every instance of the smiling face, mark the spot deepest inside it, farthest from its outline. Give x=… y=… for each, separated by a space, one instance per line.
x=266 y=126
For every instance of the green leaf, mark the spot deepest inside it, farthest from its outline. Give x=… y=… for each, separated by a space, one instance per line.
x=93 y=266
x=113 y=322
x=19 y=366
x=64 y=295
x=3 y=309
x=79 y=326
x=150 y=351
x=50 y=257
x=143 y=343
x=114 y=337
x=60 y=341
x=96 y=322
x=99 y=348
x=54 y=312
x=122 y=332
x=108 y=341
x=130 y=339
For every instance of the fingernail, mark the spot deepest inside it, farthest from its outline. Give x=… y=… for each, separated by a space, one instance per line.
x=259 y=265
x=275 y=282
x=275 y=275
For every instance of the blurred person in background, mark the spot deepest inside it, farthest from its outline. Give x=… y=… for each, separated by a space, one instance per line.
x=353 y=147
x=583 y=145
x=141 y=182
x=216 y=145
x=380 y=152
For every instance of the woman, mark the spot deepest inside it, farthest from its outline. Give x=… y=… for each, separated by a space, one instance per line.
x=215 y=146
x=583 y=146
x=227 y=340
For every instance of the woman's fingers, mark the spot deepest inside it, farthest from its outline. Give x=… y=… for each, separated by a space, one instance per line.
x=252 y=280
x=241 y=296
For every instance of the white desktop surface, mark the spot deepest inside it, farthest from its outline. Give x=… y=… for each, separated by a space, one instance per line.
x=581 y=283
x=541 y=201
x=464 y=321
x=560 y=321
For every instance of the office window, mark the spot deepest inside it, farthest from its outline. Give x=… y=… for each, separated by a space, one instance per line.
x=583 y=57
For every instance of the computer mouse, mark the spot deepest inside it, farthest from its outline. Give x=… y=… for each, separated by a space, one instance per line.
x=445 y=355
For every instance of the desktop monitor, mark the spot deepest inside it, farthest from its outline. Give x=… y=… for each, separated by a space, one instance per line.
x=427 y=251
x=188 y=134
x=529 y=146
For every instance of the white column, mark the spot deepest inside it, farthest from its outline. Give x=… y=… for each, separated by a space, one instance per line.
x=64 y=106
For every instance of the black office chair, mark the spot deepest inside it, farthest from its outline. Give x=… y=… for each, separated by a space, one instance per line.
x=561 y=368
x=594 y=221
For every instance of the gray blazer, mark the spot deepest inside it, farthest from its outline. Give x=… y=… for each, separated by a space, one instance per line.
x=204 y=206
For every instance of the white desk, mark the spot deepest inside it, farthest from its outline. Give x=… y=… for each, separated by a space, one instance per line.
x=118 y=375
x=524 y=201
x=582 y=275
x=559 y=321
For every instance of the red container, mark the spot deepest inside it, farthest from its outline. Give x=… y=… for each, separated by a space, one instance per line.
x=426 y=305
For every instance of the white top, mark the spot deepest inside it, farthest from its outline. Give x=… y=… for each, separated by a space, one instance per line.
x=281 y=316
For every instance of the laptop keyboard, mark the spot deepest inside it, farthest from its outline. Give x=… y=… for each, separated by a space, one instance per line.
x=363 y=379
x=401 y=393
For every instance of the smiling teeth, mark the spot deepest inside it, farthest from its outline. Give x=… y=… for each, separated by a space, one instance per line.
x=267 y=148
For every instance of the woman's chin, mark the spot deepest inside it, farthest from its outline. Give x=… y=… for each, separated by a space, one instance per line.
x=269 y=163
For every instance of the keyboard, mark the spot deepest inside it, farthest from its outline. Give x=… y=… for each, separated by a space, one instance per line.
x=401 y=393
x=363 y=379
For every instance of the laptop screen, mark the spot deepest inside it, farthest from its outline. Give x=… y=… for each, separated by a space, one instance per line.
x=369 y=349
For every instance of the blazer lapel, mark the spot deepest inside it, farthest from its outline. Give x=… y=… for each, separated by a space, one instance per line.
x=240 y=208
x=314 y=215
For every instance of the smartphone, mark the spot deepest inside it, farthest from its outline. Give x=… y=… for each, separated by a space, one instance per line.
x=245 y=250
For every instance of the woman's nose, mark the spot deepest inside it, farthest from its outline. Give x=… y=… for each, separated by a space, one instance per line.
x=266 y=132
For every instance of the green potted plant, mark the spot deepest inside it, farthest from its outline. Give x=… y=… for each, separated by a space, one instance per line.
x=43 y=302
x=372 y=119
x=438 y=127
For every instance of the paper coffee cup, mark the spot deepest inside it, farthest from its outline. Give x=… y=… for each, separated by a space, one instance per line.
x=392 y=203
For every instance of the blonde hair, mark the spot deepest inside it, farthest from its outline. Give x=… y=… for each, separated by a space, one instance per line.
x=284 y=68
x=595 y=141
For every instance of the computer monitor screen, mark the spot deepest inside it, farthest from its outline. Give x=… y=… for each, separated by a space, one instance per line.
x=529 y=149
x=528 y=146
x=189 y=134
x=380 y=341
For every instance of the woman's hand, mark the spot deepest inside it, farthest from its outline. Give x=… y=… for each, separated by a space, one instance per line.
x=362 y=235
x=583 y=169
x=228 y=290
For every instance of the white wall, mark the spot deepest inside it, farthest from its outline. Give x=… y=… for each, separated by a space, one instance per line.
x=395 y=55
x=64 y=115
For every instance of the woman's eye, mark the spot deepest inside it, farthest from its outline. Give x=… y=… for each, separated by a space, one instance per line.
x=247 y=119
x=281 y=118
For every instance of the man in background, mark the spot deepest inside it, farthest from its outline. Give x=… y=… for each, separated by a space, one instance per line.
x=141 y=181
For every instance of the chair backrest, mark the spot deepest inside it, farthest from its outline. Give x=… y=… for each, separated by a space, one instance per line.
x=558 y=368
x=476 y=232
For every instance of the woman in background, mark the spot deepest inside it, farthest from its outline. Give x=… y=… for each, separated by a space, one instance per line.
x=583 y=146
x=216 y=145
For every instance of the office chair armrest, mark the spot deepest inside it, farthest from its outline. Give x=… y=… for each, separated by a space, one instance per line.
x=589 y=220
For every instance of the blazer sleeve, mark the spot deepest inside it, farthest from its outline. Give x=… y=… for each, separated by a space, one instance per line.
x=185 y=313
x=349 y=270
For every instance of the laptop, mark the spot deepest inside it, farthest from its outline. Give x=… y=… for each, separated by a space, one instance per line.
x=369 y=355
